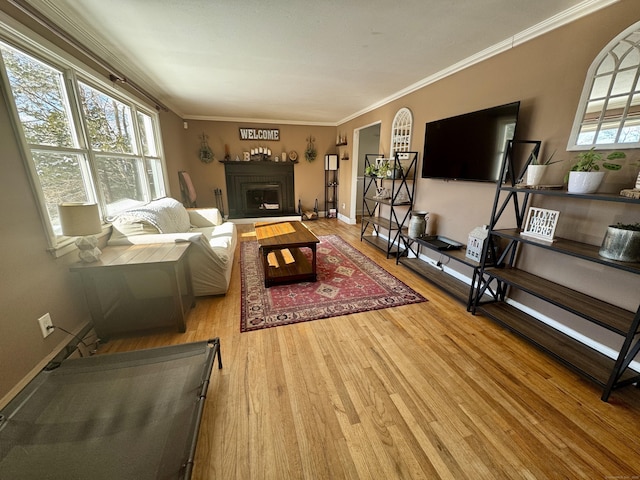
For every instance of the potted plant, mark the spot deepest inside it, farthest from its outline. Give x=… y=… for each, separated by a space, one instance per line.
x=537 y=169
x=585 y=175
x=310 y=153
x=395 y=172
x=371 y=171
x=622 y=242
x=206 y=155
x=383 y=169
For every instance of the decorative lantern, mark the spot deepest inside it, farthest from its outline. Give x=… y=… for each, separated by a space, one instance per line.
x=475 y=245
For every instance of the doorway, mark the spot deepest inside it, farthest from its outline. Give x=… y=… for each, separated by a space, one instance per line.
x=366 y=140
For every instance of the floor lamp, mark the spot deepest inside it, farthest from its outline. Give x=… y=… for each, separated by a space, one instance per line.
x=82 y=220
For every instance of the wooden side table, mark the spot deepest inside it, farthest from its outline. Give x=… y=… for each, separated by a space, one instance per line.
x=123 y=312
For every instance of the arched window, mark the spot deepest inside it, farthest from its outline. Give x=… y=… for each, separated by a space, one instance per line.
x=609 y=110
x=401 y=131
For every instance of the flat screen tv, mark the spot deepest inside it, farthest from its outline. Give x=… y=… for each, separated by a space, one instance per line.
x=470 y=146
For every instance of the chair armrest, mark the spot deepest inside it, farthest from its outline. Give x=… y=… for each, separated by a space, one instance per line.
x=205 y=217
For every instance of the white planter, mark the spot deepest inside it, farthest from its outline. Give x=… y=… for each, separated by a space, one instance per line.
x=535 y=174
x=585 y=182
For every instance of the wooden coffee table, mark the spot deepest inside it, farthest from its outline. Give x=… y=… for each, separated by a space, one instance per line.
x=282 y=259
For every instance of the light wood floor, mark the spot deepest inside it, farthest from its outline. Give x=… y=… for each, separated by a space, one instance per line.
x=421 y=391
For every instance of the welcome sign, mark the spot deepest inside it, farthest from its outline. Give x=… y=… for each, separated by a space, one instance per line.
x=272 y=134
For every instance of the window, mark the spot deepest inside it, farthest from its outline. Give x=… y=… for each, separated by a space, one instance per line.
x=609 y=110
x=83 y=143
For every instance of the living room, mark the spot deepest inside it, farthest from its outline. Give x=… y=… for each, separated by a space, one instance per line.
x=546 y=74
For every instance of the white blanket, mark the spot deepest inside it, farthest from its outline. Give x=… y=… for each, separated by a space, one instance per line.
x=166 y=214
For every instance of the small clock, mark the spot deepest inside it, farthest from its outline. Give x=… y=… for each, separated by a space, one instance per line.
x=293 y=156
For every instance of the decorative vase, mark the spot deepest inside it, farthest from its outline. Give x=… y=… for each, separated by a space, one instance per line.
x=621 y=244
x=535 y=174
x=418 y=224
x=584 y=182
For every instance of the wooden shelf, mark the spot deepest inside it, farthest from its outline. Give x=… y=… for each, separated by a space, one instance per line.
x=410 y=258
x=604 y=314
x=459 y=254
x=382 y=222
x=451 y=285
x=387 y=201
x=300 y=267
x=608 y=373
x=380 y=243
x=580 y=358
x=602 y=197
x=569 y=247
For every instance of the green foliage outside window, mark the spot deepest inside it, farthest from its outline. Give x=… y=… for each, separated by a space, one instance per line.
x=100 y=160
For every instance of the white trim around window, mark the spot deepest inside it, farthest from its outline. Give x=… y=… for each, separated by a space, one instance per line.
x=142 y=159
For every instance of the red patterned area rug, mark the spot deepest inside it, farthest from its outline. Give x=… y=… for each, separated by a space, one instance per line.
x=348 y=282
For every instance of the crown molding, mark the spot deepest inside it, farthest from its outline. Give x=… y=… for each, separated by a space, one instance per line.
x=587 y=7
x=84 y=37
x=258 y=120
x=563 y=18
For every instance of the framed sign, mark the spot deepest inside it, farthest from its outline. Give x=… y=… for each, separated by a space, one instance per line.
x=263 y=134
x=541 y=223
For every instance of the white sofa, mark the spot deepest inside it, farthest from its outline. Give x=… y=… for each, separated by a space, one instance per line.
x=166 y=220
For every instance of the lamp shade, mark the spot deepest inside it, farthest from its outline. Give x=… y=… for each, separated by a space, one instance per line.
x=79 y=219
x=331 y=162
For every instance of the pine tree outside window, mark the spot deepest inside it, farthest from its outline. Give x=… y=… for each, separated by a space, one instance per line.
x=82 y=143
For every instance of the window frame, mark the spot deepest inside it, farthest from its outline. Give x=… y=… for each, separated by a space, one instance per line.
x=18 y=37
x=591 y=78
x=401 y=130
x=138 y=150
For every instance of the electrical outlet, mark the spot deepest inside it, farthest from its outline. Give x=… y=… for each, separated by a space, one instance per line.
x=45 y=322
x=434 y=263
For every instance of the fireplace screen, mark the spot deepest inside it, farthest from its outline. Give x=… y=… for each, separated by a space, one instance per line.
x=262 y=197
x=260 y=189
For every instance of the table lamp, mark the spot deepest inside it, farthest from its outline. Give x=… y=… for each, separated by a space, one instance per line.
x=82 y=220
x=331 y=162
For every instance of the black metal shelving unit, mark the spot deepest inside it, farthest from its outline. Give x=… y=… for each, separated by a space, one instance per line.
x=331 y=193
x=384 y=219
x=609 y=373
x=409 y=256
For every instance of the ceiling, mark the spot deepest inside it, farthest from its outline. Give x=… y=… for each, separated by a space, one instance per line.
x=298 y=61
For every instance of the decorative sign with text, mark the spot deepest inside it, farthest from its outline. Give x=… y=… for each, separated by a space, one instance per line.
x=268 y=134
x=541 y=223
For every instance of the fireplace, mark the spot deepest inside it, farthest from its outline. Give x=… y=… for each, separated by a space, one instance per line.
x=261 y=196
x=260 y=189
